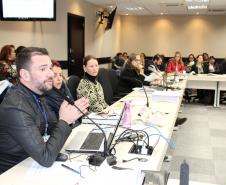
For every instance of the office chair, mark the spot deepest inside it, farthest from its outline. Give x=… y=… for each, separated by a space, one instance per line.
x=114 y=80
x=104 y=80
x=72 y=83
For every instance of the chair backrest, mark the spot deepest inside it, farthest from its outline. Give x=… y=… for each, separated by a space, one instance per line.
x=114 y=80
x=103 y=78
x=4 y=86
x=72 y=84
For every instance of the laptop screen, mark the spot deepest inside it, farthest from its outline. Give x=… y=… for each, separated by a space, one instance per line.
x=112 y=135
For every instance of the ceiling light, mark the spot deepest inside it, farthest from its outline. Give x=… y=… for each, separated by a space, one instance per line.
x=162 y=13
x=195 y=7
x=197 y=13
x=134 y=8
x=140 y=8
x=197 y=1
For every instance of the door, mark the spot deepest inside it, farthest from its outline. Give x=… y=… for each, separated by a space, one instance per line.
x=76 y=50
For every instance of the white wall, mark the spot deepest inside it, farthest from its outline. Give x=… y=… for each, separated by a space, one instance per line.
x=53 y=35
x=167 y=34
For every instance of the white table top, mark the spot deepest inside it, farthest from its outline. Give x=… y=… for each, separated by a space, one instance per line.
x=207 y=77
x=161 y=113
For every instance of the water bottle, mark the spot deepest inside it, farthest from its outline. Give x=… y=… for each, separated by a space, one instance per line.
x=176 y=75
x=126 y=119
x=184 y=173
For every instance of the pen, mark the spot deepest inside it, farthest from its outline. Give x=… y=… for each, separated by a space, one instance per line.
x=69 y=168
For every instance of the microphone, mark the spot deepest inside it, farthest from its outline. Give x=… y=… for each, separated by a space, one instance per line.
x=95 y=159
x=145 y=92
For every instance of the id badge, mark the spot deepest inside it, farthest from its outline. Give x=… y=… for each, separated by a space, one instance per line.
x=45 y=138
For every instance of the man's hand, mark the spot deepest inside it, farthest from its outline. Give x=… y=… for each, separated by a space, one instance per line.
x=70 y=113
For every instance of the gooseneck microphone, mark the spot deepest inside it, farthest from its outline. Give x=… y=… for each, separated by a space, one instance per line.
x=95 y=159
x=145 y=92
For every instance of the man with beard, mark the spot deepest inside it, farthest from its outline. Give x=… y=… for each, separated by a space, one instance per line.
x=27 y=127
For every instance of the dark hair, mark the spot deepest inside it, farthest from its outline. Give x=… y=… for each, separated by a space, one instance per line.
x=55 y=63
x=118 y=54
x=5 y=52
x=157 y=57
x=23 y=60
x=199 y=56
x=191 y=55
x=212 y=57
x=87 y=58
x=19 y=49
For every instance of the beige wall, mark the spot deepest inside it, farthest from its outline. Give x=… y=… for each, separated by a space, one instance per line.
x=53 y=35
x=166 y=34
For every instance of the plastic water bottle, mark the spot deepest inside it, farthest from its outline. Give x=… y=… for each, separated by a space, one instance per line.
x=184 y=173
x=126 y=120
x=176 y=76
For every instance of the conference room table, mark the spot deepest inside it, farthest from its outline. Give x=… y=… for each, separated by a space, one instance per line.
x=208 y=81
x=158 y=118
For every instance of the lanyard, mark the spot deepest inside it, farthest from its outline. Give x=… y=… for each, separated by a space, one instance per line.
x=41 y=108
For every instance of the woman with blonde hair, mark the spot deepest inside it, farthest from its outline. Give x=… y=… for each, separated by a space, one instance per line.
x=175 y=64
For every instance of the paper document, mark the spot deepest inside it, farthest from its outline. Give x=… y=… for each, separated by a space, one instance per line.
x=106 y=119
x=167 y=96
x=107 y=175
x=54 y=175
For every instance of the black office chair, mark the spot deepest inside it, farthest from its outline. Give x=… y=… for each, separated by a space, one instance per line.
x=72 y=83
x=114 y=80
x=104 y=80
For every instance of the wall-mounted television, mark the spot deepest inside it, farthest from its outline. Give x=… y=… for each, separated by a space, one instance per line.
x=28 y=10
x=110 y=19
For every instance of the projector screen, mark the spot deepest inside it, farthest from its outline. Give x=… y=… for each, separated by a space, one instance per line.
x=28 y=10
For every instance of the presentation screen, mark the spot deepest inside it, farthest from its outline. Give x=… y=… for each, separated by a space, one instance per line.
x=28 y=10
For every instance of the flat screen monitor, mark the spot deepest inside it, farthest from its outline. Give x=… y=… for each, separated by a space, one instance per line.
x=110 y=19
x=28 y=10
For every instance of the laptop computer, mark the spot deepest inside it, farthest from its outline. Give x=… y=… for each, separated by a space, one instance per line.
x=92 y=142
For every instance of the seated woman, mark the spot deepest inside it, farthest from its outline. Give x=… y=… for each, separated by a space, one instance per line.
x=190 y=62
x=199 y=67
x=204 y=96
x=175 y=64
x=54 y=100
x=89 y=87
x=133 y=75
x=7 y=63
x=213 y=66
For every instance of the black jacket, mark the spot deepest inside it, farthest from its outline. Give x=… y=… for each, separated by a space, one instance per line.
x=54 y=100
x=205 y=69
x=21 y=128
x=129 y=78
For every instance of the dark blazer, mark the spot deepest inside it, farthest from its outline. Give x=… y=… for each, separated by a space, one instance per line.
x=205 y=69
x=54 y=100
x=129 y=78
x=22 y=126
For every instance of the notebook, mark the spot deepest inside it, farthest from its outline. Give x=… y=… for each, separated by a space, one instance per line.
x=92 y=142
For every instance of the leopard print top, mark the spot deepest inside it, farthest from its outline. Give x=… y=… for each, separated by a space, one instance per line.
x=94 y=93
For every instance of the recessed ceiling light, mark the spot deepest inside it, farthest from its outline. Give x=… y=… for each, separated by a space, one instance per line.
x=197 y=1
x=134 y=8
x=195 y=7
x=140 y=8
